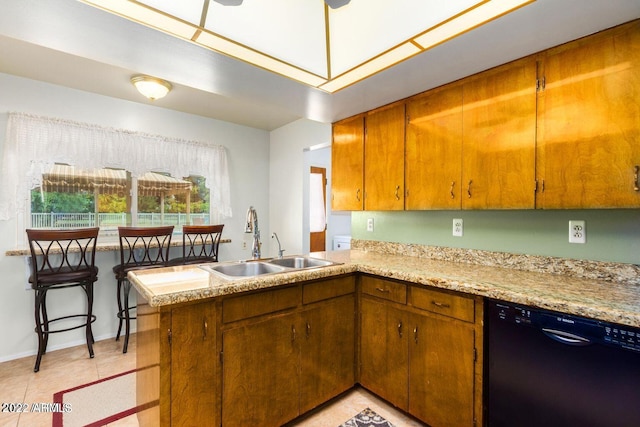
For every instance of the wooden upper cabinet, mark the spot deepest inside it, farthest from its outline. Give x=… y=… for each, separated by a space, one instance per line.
x=347 y=164
x=589 y=122
x=434 y=149
x=499 y=138
x=384 y=159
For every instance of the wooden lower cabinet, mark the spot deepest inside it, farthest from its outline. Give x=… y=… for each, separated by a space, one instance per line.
x=176 y=365
x=327 y=358
x=423 y=356
x=384 y=358
x=441 y=371
x=266 y=357
x=284 y=363
x=260 y=379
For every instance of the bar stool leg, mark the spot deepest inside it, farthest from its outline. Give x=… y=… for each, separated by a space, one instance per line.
x=88 y=288
x=119 y=298
x=40 y=313
x=127 y=317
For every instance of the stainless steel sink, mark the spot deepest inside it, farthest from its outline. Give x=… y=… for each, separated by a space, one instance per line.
x=241 y=270
x=300 y=262
x=245 y=269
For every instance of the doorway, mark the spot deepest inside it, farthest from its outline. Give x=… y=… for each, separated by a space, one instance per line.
x=317 y=209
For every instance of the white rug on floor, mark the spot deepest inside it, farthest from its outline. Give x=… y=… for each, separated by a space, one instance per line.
x=97 y=403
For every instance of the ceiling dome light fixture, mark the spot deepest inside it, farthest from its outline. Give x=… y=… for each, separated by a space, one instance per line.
x=336 y=4
x=151 y=87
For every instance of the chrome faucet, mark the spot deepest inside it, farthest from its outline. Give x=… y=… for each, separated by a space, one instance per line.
x=280 y=250
x=252 y=227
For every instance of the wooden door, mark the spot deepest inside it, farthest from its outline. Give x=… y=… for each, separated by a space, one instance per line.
x=194 y=400
x=317 y=239
x=589 y=123
x=499 y=136
x=347 y=165
x=441 y=371
x=434 y=149
x=384 y=351
x=260 y=375
x=384 y=159
x=328 y=351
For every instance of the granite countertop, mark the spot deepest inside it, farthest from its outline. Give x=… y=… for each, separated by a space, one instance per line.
x=575 y=292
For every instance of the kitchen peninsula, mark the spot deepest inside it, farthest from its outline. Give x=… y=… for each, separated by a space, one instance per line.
x=226 y=351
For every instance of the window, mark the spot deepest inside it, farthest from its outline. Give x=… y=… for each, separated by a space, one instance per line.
x=72 y=197
x=110 y=172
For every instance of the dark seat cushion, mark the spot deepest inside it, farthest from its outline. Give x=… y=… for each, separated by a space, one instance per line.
x=64 y=275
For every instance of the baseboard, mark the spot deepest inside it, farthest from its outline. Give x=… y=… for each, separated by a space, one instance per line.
x=56 y=347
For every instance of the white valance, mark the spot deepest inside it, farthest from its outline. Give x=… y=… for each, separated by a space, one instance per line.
x=33 y=144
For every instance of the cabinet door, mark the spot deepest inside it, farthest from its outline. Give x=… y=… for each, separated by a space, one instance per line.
x=384 y=351
x=434 y=150
x=499 y=136
x=589 y=115
x=260 y=384
x=441 y=371
x=328 y=351
x=347 y=165
x=193 y=365
x=384 y=159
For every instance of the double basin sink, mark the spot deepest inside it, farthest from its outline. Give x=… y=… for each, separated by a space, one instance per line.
x=246 y=269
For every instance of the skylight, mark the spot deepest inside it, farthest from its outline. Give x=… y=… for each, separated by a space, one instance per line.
x=309 y=42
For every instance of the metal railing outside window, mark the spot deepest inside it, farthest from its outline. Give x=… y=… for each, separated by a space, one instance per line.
x=112 y=220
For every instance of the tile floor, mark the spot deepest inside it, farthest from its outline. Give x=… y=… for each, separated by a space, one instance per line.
x=64 y=369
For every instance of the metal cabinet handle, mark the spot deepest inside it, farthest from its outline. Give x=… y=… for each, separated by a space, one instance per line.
x=453 y=196
x=358 y=194
x=293 y=333
x=400 y=328
x=384 y=291
x=205 y=328
x=469 y=189
x=440 y=304
x=415 y=334
x=636 y=184
x=397 y=192
x=308 y=329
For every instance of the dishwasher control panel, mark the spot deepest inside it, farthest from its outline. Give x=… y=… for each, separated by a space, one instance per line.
x=595 y=331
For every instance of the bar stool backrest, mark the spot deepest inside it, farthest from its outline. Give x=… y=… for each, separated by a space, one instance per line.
x=201 y=242
x=62 y=256
x=144 y=246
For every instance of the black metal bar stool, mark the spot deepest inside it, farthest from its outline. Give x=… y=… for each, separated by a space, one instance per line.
x=199 y=244
x=140 y=248
x=62 y=259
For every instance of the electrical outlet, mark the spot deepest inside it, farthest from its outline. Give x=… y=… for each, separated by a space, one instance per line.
x=370 y=224
x=244 y=245
x=458 y=227
x=577 y=232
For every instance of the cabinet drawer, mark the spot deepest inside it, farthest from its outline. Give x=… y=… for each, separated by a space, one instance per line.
x=243 y=307
x=392 y=291
x=455 y=306
x=326 y=289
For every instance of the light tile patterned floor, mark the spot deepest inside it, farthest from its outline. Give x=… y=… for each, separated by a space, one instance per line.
x=60 y=370
x=64 y=369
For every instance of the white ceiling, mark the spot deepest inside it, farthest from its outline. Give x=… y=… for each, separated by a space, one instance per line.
x=72 y=44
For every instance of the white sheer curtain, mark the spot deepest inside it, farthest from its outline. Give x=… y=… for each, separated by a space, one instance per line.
x=33 y=144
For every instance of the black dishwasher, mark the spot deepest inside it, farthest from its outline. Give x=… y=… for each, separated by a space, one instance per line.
x=548 y=369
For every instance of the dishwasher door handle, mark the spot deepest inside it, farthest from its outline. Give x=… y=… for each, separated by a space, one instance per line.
x=566 y=337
